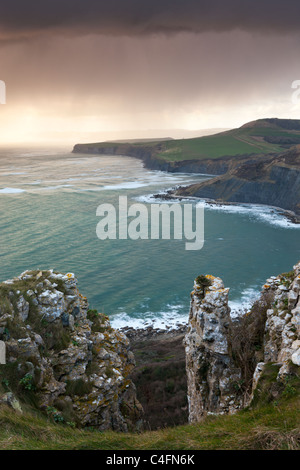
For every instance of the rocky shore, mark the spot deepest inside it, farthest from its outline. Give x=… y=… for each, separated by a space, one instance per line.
x=178 y=194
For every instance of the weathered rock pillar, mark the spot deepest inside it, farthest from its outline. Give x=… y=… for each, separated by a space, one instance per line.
x=211 y=375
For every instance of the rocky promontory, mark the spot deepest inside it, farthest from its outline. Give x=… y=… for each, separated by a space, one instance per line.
x=150 y=155
x=63 y=358
x=269 y=180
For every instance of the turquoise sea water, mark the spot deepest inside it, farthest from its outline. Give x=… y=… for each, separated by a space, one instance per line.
x=48 y=202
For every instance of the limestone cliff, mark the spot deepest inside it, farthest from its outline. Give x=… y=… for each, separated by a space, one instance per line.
x=64 y=357
x=225 y=359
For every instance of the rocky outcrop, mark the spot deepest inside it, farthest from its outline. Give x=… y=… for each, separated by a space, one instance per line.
x=217 y=353
x=68 y=357
x=282 y=332
x=211 y=373
x=270 y=180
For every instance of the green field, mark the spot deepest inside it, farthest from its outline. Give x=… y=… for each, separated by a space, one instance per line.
x=257 y=138
x=211 y=147
x=242 y=141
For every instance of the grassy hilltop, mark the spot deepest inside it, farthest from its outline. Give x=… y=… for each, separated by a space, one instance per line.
x=258 y=137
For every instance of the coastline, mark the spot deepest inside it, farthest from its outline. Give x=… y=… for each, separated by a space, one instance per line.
x=172 y=195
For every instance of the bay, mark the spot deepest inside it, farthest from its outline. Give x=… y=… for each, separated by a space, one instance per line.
x=48 y=203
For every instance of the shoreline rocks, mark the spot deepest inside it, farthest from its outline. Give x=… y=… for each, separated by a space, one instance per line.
x=173 y=195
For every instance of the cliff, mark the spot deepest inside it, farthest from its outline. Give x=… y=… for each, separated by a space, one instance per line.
x=66 y=362
x=63 y=358
x=227 y=361
x=256 y=163
x=272 y=180
x=152 y=155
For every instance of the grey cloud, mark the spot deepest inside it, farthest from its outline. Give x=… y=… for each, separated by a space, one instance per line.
x=19 y=18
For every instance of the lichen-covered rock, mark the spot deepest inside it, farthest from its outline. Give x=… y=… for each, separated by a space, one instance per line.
x=211 y=373
x=282 y=335
x=68 y=356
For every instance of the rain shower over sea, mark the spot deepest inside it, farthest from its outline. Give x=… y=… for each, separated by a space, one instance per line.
x=48 y=203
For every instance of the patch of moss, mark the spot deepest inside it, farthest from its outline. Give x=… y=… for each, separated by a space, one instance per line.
x=13 y=378
x=78 y=387
x=98 y=320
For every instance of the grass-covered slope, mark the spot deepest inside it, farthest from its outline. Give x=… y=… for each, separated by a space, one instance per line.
x=257 y=137
x=273 y=423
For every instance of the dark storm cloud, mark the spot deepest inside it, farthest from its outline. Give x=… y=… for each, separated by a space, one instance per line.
x=21 y=18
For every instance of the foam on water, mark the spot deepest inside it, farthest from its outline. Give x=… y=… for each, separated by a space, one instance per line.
x=126 y=185
x=11 y=190
x=268 y=214
x=259 y=212
x=172 y=316
x=248 y=296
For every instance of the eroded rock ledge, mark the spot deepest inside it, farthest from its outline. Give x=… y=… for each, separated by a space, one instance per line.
x=65 y=356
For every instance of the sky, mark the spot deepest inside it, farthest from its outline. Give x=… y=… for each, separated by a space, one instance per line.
x=91 y=70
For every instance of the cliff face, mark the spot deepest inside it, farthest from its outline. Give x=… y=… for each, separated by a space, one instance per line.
x=68 y=357
x=256 y=163
x=225 y=360
x=269 y=180
x=148 y=154
x=282 y=333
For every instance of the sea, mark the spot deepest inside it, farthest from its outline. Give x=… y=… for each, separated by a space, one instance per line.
x=48 y=220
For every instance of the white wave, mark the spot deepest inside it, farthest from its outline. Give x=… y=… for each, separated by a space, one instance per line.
x=128 y=185
x=173 y=317
x=268 y=214
x=258 y=212
x=14 y=173
x=11 y=190
x=248 y=296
